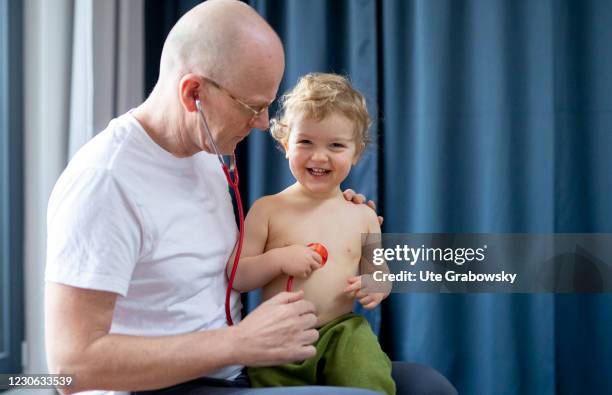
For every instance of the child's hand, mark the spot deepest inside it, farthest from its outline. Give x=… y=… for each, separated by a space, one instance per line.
x=297 y=260
x=368 y=300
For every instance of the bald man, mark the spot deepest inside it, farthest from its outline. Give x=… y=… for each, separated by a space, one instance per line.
x=140 y=227
x=140 y=224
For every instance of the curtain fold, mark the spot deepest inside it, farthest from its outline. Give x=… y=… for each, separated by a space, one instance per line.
x=47 y=36
x=107 y=65
x=504 y=111
x=492 y=116
x=81 y=69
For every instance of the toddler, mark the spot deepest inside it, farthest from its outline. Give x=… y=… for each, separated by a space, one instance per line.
x=323 y=128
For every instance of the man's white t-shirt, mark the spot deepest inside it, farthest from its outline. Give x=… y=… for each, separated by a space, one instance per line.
x=128 y=217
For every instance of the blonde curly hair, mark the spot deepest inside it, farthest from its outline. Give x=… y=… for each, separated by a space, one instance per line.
x=317 y=95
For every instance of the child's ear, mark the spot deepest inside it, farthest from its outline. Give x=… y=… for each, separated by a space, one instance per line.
x=286 y=147
x=358 y=153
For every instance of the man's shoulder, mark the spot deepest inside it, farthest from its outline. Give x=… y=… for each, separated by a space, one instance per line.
x=105 y=147
x=94 y=168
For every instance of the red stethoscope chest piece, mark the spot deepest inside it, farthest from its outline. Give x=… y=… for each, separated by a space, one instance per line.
x=319 y=249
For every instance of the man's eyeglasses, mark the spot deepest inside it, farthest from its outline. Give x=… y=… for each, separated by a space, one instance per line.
x=256 y=112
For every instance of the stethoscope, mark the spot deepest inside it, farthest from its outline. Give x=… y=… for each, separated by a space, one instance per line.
x=233 y=183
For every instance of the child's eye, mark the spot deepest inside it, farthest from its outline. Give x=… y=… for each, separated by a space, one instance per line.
x=304 y=142
x=338 y=145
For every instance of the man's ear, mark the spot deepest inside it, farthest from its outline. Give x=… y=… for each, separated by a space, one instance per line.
x=358 y=152
x=189 y=90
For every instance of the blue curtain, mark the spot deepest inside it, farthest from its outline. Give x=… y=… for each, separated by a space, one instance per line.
x=498 y=118
x=493 y=116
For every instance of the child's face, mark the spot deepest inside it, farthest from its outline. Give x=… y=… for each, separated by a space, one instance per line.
x=321 y=153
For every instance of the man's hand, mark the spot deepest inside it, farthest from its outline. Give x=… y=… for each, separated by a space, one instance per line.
x=359 y=198
x=368 y=300
x=297 y=260
x=277 y=332
x=78 y=342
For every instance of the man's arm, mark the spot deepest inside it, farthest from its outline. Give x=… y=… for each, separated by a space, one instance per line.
x=78 y=342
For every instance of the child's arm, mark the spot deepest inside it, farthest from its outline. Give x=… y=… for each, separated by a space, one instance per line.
x=369 y=300
x=257 y=268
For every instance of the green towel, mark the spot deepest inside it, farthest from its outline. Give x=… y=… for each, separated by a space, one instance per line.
x=348 y=355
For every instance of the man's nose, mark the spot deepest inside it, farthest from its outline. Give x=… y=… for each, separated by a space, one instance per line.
x=261 y=121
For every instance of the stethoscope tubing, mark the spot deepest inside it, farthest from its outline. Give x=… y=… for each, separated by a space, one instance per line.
x=233 y=183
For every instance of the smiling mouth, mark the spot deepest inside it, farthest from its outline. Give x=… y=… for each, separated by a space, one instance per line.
x=318 y=172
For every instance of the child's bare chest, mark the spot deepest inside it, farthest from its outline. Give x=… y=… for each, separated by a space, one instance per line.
x=338 y=230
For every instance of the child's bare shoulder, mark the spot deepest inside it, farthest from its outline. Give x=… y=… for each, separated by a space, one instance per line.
x=364 y=214
x=269 y=203
x=264 y=202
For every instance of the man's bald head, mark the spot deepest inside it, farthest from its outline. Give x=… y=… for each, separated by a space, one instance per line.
x=225 y=40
